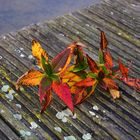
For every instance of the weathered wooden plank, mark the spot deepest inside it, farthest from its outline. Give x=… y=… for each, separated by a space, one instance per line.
x=114 y=119
x=6 y=133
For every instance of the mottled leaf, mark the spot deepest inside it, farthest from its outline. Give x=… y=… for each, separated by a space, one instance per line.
x=38 y=52
x=79 y=97
x=48 y=99
x=44 y=87
x=62 y=60
x=110 y=83
x=30 y=78
x=92 y=64
x=86 y=82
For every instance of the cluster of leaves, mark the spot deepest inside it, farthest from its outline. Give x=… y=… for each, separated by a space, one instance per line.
x=74 y=83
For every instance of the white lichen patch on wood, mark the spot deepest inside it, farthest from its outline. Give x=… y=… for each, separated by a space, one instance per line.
x=64 y=119
x=69 y=138
x=62 y=115
x=33 y=125
x=92 y=113
x=22 y=55
x=97 y=116
x=2 y=111
x=95 y=107
x=9 y=96
x=18 y=105
x=58 y=129
x=30 y=57
x=5 y=88
x=21 y=49
x=86 y=136
x=25 y=133
x=11 y=91
x=67 y=112
x=17 y=116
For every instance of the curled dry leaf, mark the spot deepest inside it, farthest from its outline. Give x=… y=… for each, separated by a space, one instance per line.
x=114 y=93
x=104 y=41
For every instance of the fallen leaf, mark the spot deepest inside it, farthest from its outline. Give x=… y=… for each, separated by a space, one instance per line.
x=114 y=93
x=30 y=78
x=63 y=92
x=38 y=52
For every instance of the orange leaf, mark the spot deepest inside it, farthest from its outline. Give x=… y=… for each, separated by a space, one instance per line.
x=108 y=59
x=104 y=41
x=79 y=97
x=124 y=70
x=63 y=92
x=48 y=99
x=30 y=78
x=132 y=82
x=86 y=82
x=114 y=93
x=92 y=64
x=109 y=83
x=38 y=52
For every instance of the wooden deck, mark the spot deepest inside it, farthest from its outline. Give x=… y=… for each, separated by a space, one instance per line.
x=120 y=19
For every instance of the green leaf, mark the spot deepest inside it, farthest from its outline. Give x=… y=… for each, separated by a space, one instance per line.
x=54 y=77
x=104 y=69
x=101 y=57
x=92 y=75
x=79 y=67
x=46 y=66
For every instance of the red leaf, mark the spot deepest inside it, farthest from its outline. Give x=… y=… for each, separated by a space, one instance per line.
x=62 y=60
x=44 y=86
x=63 y=92
x=104 y=41
x=108 y=59
x=92 y=64
x=82 y=93
x=48 y=99
x=86 y=82
x=124 y=70
x=132 y=82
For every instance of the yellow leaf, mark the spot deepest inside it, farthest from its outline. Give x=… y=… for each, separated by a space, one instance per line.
x=114 y=93
x=38 y=52
x=65 y=80
x=30 y=78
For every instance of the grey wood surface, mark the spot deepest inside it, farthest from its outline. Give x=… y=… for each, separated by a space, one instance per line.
x=120 y=119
